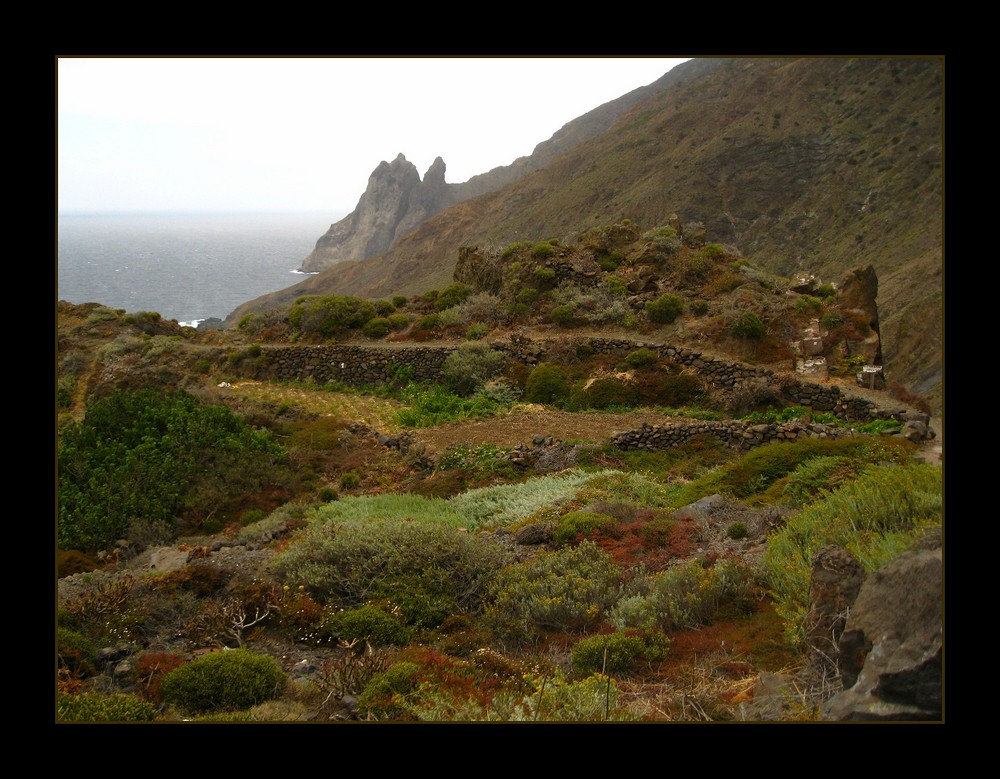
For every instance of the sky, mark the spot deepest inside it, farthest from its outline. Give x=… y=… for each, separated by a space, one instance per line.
x=304 y=134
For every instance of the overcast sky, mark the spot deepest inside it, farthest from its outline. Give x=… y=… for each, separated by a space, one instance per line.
x=232 y=134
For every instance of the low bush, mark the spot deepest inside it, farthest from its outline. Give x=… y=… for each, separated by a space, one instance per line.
x=642 y=358
x=379 y=327
x=618 y=653
x=367 y=623
x=224 y=681
x=452 y=295
x=578 y=525
x=385 y=693
x=542 y=250
x=604 y=394
x=94 y=707
x=665 y=309
x=547 y=384
x=831 y=320
x=687 y=596
x=567 y=590
x=364 y=551
x=564 y=316
x=748 y=326
x=470 y=366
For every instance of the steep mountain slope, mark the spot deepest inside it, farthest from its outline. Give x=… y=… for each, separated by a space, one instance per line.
x=802 y=164
x=396 y=201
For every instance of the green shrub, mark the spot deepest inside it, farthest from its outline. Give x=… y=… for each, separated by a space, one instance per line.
x=94 y=707
x=713 y=251
x=385 y=694
x=399 y=301
x=226 y=681
x=527 y=296
x=76 y=652
x=581 y=524
x=566 y=590
x=329 y=315
x=470 y=366
x=618 y=653
x=876 y=517
x=546 y=384
x=544 y=276
x=139 y=457
x=687 y=596
x=378 y=327
x=383 y=308
x=616 y=285
x=665 y=309
x=831 y=320
x=808 y=302
x=564 y=316
x=820 y=474
x=477 y=331
x=642 y=358
x=748 y=326
x=364 y=551
x=826 y=291
x=428 y=322
x=369 y=623
x=878 y=426
x=699 y=307
x=452 y=295
x=543 y=250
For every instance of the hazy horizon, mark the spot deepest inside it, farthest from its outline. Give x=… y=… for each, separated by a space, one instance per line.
x=299 y=135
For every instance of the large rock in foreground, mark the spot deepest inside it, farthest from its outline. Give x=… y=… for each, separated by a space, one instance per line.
x=890 y=651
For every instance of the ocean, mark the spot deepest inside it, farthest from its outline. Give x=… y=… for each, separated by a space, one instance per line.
x=186 y=267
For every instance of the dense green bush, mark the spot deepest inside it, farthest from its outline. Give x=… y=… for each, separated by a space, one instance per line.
x=329 y=315
x=470 y=366
x=378 y=327
x=543 y=250
x=564 y=316
x=546 y=384
x=665 y=309
x=224 y=681
x=748 y=326
x=642 y=358
x=581 y=524
x=477 y=331
x=452 y=295
x=76 y=652
x=831 y=320
x=365 y=552
x=544 y=276
x=369 y=623
x=94 y=707
x=687 y=596
x=385 y=694
x=821 y=474
x=151 y=457
x=617 y=653
x=570 y=589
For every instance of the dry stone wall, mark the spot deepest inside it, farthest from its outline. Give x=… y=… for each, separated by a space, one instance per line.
x=355 y=365
x=735 y=433
x=360 y=365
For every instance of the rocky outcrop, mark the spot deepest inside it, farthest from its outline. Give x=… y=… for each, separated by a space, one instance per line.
x=858 y=294
x=890 y=653
x=833 y=587
x=395 y=202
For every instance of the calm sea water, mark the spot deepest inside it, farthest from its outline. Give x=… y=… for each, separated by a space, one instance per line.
x=187 y=267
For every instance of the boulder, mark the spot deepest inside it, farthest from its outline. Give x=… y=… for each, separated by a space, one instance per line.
x=836 y=580
x=890 y=653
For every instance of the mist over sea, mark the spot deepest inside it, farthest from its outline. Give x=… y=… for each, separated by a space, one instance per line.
x=185 y=266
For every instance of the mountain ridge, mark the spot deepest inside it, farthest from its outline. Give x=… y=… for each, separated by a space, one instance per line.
x=802 y=164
